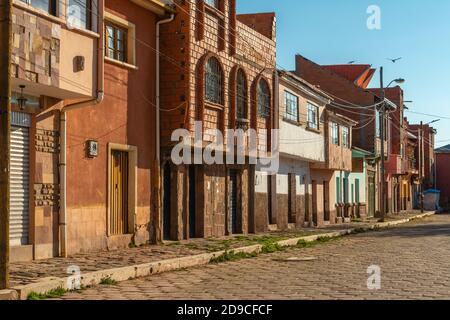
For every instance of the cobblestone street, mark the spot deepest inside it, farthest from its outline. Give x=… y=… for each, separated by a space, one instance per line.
x=414 y=261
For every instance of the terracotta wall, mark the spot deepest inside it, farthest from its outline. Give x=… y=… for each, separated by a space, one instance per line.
x=443 y=177
x=126 y=116
x=336 y=85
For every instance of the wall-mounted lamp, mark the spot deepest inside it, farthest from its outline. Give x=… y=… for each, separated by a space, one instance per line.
x=22 y=101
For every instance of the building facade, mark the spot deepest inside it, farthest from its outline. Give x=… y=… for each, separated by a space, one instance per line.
x=218 y=74
x=302 y=143
x=442 y=155
x=84 y=91
x=348 y=86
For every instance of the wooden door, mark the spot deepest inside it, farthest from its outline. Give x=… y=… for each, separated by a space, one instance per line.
x=119 y=193
x=326 y=200
x=292 y=198
x=314 y=202
x=232 y=202
x=371 y=194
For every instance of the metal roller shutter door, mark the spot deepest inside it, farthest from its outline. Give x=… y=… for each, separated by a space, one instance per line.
x=19 y=187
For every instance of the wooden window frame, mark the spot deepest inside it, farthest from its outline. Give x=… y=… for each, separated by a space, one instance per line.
x=346 y=137
x=289 y=100
x=130 y=40
x=263 y=110
x=316 y=124
x=52 y=9
x=116 y=51
x=241 y=96
x=335 y=140
x=88 y=13
x=214 y=95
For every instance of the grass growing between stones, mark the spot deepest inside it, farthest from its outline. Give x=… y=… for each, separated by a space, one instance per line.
x=321 y=240
x=232 y=256
x=108 y=281
x=55 y=293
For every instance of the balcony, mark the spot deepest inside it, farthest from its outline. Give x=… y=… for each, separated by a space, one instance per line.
x=49 y=58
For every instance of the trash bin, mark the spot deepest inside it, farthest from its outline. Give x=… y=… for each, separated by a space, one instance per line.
x=431 y=199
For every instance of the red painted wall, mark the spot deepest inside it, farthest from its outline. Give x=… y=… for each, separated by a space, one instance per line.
x=126 y=116
x=443 y=177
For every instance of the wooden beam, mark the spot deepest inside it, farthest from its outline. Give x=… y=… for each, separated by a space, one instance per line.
x=5 y=128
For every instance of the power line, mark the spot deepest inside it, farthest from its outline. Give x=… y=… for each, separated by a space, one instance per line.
x=429 y=115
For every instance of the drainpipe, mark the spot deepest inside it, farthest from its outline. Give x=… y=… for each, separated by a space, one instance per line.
x=63 y=130
x=157 y=170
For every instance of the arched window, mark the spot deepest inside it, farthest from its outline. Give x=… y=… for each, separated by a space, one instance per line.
x=263 y=98
x=213 y=3
x=241 y=95
x=213 y=81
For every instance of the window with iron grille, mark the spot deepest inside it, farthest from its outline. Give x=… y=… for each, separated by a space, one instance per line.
x=334 y=133
x=346 y=137
x=241 y=95
x=116 y=42
x=213 y=3
x=213 y=81
x=263 y=94
x=291 y=106
x=313 y=116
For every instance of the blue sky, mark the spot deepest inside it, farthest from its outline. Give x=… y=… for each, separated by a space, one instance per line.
x=335 y=31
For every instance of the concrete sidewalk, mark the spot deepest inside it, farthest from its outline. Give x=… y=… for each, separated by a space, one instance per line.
x=45 y=275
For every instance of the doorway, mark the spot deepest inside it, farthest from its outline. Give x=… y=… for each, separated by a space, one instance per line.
x=232 y=202
x=119 y=192
x=371 y=194
x=192 y=202
x=314 y=202
x=292 y=198
x=326 y=200
x=166 y=202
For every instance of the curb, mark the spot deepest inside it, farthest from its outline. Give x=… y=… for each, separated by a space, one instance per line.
x=148 y=269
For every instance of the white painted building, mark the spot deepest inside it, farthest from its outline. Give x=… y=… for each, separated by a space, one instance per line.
x=302 y=142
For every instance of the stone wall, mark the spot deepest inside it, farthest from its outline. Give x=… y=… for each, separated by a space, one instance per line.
x=36 y=48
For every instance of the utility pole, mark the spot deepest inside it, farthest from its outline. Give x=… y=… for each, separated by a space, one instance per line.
x=421 y=171
x=5 y=128
x=382 y=129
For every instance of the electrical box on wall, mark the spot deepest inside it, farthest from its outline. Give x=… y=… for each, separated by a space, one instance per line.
x=92 y=148
x=78 y=63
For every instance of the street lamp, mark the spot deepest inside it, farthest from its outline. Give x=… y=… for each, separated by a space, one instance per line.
x=382 y=134
x=434 y=121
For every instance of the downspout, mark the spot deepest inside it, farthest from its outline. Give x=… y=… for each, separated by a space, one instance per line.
x=63 y=130
x=157 y=170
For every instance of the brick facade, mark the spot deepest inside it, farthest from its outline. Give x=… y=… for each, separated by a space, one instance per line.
x=198 y=33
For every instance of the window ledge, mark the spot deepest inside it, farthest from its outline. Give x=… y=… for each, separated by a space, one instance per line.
x=121 y=64
x=293 y=122
x=313 y=130
x=85 y=32
x=214 y=11
x=213 y=105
